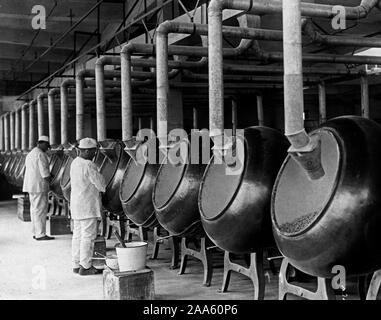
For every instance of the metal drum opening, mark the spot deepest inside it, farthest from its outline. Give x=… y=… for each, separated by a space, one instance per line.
x=299 y=201
x=218 y=190
x=131 y=180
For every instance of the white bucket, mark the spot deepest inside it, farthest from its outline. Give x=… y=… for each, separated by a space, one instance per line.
x=133 y=257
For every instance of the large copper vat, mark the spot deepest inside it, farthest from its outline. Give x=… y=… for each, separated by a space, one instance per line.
x=336 y=220
x=235 y=202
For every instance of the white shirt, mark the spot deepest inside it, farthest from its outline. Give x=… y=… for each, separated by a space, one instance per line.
x=36 y=170
x=86 y=185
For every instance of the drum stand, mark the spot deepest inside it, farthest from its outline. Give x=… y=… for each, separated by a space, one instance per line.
x=324 y=289
x=131 y=229
x=204 y=255
x=173 y=242
x=115 y=222
x=254 y=272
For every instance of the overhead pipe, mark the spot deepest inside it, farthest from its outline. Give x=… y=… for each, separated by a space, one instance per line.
x=261 y=121
x=163 y=50
x=126 y=82
x=306 y=9
x=40 y=114
x=32 y=125
x=12 y=129
x=322 y=103
x=6 y=132
x=52 y=116
x=18 y=129
x=24 y=132
x=195 y=118
x=365 y=97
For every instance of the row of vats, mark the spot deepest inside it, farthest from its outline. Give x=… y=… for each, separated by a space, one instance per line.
x=319 y=204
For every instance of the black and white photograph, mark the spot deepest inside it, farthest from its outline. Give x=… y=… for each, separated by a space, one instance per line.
x=197 y=157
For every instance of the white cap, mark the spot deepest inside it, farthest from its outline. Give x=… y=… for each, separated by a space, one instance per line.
x=43 y=139
x=87 y=143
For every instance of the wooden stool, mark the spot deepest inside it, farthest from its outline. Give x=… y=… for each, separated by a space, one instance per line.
x=23 y=207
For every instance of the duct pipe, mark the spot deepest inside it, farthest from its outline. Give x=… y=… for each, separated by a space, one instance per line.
x=52 y=116
x=261 y=121
x=322 y=103
x=163 y=50
x=12 y=127
x=40 y=114
x=32 y=125
x=6 y=132
x=305 y=150
x=127 y=75
x=307 y=9
x=18 y=129
x=364 y=97
x=2 y=133
x=100 y=96
x=79 y=107
x=24 y=132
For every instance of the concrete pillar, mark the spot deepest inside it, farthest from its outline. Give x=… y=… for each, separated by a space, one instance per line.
x=261 y=119
x=6 y=132
x=52 y=120
x=18 y=129
x=322 y=103
x=40 y=116
x=2 y=133
x=364 y=97
x=24 y=132
x=32 y=125
x=12 y=129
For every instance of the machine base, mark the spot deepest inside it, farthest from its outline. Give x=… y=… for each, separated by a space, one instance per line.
x=204 y=255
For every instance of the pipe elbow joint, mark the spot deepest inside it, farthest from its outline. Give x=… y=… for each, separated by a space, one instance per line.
x=306 y=151
x=128 y=48
x=165 y=28
x=216 y=6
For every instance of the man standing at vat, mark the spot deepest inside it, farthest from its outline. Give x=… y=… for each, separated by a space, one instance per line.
x=36 y=183
x=86 y=185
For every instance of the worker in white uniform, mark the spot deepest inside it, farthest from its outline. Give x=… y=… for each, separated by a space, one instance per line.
x=86 y=187
x=36 y=183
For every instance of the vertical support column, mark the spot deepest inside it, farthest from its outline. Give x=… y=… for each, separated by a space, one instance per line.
x=2 y=133
x=24 y=133
x=6 y=132
x=32 y=125
x=261 y=118
x=18 y=130
x=234 y=117
x=139 y=123
x=195 y=118
x=365 y=97
x=40 y=115
x=12 y=119
x=52 y=119
x=80 y=107
x=322 y=103
x=64 y=114
x=125 y=65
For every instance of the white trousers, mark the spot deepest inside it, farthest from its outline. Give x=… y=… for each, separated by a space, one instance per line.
x=84 y=234
x=38 y=213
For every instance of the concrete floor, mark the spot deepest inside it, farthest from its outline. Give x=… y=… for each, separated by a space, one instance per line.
x=42 y=270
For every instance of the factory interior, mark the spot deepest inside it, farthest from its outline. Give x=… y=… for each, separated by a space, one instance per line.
x=236 y=140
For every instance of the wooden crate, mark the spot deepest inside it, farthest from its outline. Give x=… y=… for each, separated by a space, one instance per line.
x=58 y=225
x=23 y=208
x=136 y=285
